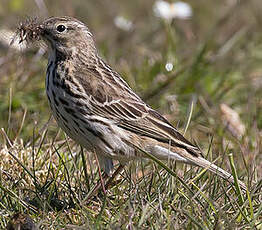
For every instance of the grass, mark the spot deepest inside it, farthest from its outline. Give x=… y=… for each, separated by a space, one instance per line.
x=217 y=60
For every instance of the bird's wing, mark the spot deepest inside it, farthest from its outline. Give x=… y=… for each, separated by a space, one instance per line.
x=155 y=126
x=135 y=116
x=112 y=98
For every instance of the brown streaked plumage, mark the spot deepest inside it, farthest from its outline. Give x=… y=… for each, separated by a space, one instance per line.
x=97 y=108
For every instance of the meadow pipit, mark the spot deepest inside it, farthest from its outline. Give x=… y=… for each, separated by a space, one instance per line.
x=96 y=107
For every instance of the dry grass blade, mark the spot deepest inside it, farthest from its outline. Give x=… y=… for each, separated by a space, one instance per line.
x=27 y=31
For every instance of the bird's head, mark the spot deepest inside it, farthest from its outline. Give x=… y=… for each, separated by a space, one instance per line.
x=64 y=34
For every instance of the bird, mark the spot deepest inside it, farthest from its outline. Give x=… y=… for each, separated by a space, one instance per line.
x=96 y=108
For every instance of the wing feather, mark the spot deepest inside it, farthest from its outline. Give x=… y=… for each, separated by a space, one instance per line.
x=150 y=123
x=123 y=107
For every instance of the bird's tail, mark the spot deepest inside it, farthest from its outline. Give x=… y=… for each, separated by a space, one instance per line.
x=199 y=161
x=184 y=156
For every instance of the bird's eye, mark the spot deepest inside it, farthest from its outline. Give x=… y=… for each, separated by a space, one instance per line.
x=61 y=28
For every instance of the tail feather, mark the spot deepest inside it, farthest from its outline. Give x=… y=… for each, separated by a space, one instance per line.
x=183 y=156
x=199 y=161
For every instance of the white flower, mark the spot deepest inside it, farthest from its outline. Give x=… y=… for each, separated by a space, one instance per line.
x=123 y=23
x=169 y=66
x=169 y=11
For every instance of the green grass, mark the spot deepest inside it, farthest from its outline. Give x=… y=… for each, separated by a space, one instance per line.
x=217 y=60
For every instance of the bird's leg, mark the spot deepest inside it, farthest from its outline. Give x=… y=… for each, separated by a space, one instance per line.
x=100 y=183
x=100 y=175
x=95 y=189
x=118 y=170
x=104 y=178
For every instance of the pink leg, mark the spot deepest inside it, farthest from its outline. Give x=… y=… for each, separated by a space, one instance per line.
x=101 y=184
x=118 y=170
x=100 y=175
